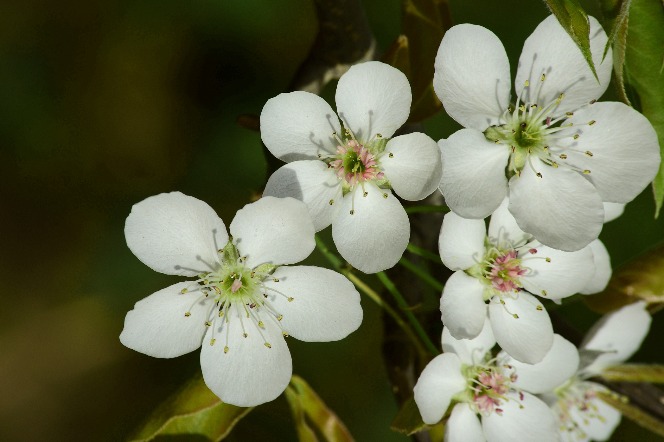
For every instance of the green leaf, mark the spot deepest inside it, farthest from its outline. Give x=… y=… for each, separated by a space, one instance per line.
x=423 y=23
x=194 y=410
x=635 y=373
x=574 y=20
x=632 y=412
x=314 y=421
x=616 y=14
x=644 y=72
x=641 y=279
x=408 y=420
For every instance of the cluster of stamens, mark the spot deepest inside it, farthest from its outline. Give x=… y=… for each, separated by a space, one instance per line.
x=238 y=292
x=578 y=396
x=529 y=129
x=504 y=270
x=355 y=162
x=488 y=385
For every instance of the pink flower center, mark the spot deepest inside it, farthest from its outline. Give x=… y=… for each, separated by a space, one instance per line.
x=490 y=390
x=355 y=164
x=505 y=271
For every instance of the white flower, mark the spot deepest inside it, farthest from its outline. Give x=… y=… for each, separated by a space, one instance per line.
x=480 y=385
x=506 y=267
x=346 y=175
x=555 y=152
x=244 y=301
x=581 y=414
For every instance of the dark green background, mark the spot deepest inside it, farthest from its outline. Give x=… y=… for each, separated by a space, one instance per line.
x=103 y=104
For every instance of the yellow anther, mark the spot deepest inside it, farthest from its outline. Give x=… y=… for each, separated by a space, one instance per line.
x=187 y=314
x=183 y=291
x=588 y=153
x=291 y=299
x=515 y=316
x=267 y=344
x=260 y=324
x=365 y=194
x=586 y=171
x=331 y=202
x=391 y=155
x=226 y=349
x=547 y=259
x=212 y=341
x=385 y=195
x=591 y=122
x=280 y=317
x=208 y=323
x=563 y=156
x=352 y=212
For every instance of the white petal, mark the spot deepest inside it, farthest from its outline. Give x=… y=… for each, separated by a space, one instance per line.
x=311 y=182
x=561 y=209
x=413 y=165
x=559 y=364
x=472 y=76
x=603 y=271
x=463 y=425
x=373 y=98
x=273 y=230
x=175 y=234
x=298 y=126
x=462 y=307
x=619 y=333
x=625 y=151
x=550 y=50
x=461 y=241
x=473 y=182
x=555 y=274
x=158 y=327
x=375 y=236
x=503 y=229
x=470 y=351
x=529 y=419
x=599 y=420
x=249 y=373
x=612 y=211
x=440 y=380
x=325 y=305
x=527 y=338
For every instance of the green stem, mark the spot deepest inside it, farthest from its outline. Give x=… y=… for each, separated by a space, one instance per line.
x=401 y=302
x=427 y=209
x=371 y=293
x=424 y=253
x=424 y=276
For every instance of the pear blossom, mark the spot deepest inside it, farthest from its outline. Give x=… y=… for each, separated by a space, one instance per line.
x=581 y=414
x=498 y=271
x=346 y=172
x=555 y=151
x=244 y=300
x=486 y=404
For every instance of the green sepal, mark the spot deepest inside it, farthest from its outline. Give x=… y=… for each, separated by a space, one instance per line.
x=229 y=254
x=265 y=269
x=194 y=410
x=408 y=421
x=314 y=421
x=632 y=412
x=652 y=373
x=575 y=21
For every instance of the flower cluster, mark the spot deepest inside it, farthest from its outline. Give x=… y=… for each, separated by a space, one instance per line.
x=549 y=168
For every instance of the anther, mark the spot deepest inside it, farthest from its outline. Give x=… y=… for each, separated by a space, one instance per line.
x=226 y=349
x=285 y=335
x=515 y=316
x=539 y=308
x=543 y=77
x=290 y=299
x=586 y=171
x=260 y=324
x=544 y=293
x=244 y=335
x=280 y=317
x=352 y=212
x=576 y=136
x=588 y=153
x=539 y=175
x=569 y=114
x=391 y=155
x=183 y=291
x=385 y=195
x=268 y=345
x=563 y=156
x=547 y=259
x=331 y=202
x=208 y=323
x=526 y=83
x=212 y=341
x=523 y=125
x=187 y=314
x=591 y=122
x=365 y=194
x=379 y=136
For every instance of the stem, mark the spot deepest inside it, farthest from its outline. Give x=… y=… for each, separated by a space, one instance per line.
x=424 y=253
x=424 y=276
x=401 y=302
x=371 y=293
x=427 y=209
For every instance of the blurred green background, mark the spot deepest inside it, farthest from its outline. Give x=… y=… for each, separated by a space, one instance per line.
x=103 y=104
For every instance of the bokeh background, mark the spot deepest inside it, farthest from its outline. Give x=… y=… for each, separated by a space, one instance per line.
x=103 y=104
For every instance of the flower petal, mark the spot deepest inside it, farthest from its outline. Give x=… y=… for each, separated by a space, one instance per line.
x=298 y=126
x=324 y=306
x=158 y=327
x=472 y=76
x=461 y=241
x=413 y=165
x=470 y=351
x=555 y=274
x=375 y=236
x=550 y=50
x=561 y=209
x=273 y=230
x=527 y=419
x=463 y=425
x=527 y=338
x=557 y=367
x=599 y=420
x=619 y=333
x=603 y=271
x=473 y=182
x=503 y=229
x=440 y=380
x=612 y=211
x=311 y=182
x=250 y=372
x=175 y=234
x=624 y=147
x=462 y=307
x=373 y=98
